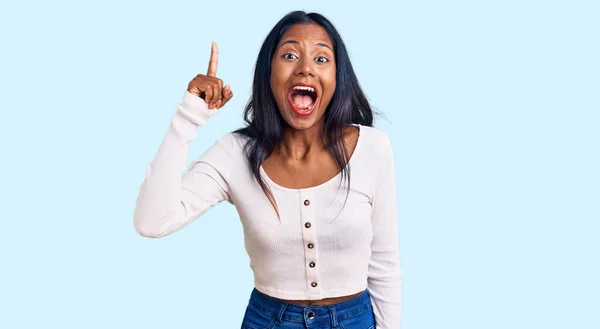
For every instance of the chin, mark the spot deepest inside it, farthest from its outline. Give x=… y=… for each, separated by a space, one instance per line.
x=300 y=124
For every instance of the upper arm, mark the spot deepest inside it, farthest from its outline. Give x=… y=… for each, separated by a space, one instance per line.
x=384 y=200
x=206 y=181
x=166 y=205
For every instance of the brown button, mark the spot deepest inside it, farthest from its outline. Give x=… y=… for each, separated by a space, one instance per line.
x=307 y=225
x=314 y=284
x=310 y=246
x=311 y=264
x=306 y=202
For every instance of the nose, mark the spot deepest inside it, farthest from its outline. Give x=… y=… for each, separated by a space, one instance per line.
x=305 y=67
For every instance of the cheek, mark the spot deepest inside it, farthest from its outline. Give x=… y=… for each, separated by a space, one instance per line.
x=277 y=87
x=329 y=80
x=277 y=80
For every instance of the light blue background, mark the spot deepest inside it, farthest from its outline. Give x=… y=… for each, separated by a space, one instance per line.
x=493 y=111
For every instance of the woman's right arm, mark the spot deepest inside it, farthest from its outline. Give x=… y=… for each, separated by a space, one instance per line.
x=169 y=200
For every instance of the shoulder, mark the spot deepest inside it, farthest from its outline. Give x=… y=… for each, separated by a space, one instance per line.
x=224 y=150
x=233 y=141
x=374 y=139
x=373 y=133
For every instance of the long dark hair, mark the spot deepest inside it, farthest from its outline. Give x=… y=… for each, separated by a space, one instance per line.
x=265 y=125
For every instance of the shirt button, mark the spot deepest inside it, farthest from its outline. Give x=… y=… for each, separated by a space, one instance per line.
x=311 y=264
x=310 y=246
x=306 y=202
x=307 y=225
x=314 y=284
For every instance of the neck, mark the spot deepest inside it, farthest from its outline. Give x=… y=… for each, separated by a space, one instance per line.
x=300 y=144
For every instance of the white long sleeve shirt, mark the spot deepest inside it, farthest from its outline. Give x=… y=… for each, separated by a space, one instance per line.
x=319 y=249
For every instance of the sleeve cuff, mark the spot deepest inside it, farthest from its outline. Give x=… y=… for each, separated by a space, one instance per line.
x=192 y=100
x=195 y=109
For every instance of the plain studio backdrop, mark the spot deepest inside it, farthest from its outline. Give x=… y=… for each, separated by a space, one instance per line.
x=492 y=108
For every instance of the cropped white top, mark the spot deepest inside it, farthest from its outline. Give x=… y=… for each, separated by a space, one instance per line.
x=320 y=248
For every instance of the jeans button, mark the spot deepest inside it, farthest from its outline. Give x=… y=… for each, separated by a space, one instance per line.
x=311 y=315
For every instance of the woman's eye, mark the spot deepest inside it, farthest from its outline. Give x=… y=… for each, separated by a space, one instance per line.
x=322 y=59
x=289 y=56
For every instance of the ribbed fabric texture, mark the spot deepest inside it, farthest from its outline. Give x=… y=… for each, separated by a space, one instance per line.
x=320 y=248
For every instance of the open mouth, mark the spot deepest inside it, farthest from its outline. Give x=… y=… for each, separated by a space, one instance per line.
x=303 y=99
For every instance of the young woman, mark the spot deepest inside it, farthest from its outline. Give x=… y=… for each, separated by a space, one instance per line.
x=312 y=180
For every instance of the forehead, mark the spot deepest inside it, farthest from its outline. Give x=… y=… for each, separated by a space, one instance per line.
x=311 y=32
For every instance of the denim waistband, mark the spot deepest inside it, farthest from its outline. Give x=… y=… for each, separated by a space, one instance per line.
x=322 y=313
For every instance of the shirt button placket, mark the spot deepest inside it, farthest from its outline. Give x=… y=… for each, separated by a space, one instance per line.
x=309 y=236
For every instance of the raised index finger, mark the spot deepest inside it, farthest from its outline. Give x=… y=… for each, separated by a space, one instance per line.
x=214 y=61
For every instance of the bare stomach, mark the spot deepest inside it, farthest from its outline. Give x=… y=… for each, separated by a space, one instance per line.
x=318 y=302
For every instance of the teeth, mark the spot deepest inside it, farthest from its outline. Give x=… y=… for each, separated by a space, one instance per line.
x=304 y=88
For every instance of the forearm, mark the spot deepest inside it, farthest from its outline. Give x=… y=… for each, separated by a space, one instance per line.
x=158 y=206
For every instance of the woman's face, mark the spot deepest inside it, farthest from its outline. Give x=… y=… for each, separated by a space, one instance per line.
x=303 y=74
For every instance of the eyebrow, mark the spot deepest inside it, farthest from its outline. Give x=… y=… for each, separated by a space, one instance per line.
x=296 y=42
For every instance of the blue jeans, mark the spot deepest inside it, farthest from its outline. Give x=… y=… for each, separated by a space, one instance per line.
x=264 y=312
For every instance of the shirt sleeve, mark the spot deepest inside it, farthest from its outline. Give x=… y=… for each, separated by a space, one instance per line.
x=169 y=198
x=384 y=273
